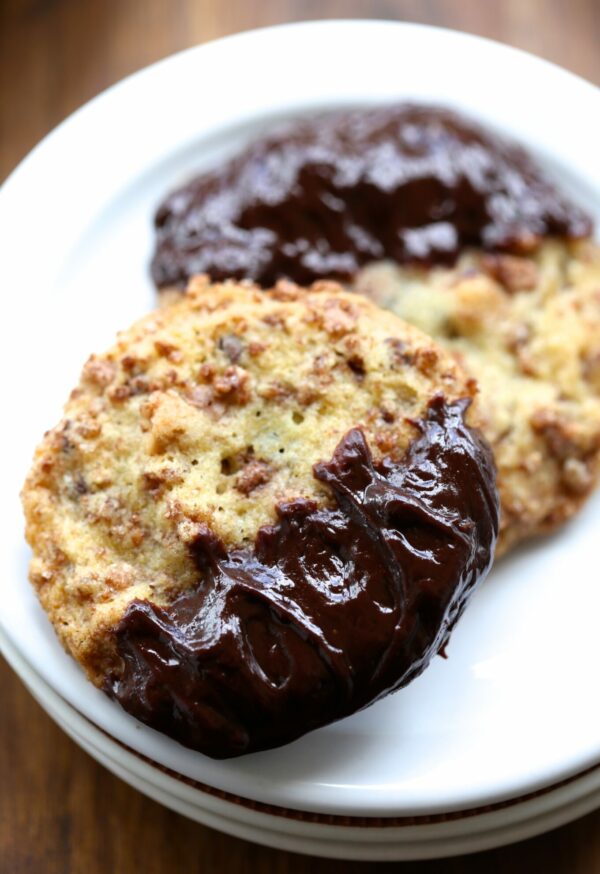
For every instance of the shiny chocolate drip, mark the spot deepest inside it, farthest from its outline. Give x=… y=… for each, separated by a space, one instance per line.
x=331 y=609
x=324 y=196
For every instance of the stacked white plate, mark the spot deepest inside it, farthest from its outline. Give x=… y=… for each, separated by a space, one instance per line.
x=499 y=742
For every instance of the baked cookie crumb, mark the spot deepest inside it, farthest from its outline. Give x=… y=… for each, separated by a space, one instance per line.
x=528 y=330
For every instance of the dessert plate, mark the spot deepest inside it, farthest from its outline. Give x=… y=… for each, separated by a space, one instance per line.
x=515 y=708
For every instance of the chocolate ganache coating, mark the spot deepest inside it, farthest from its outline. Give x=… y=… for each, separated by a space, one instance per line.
x=321 y=197
x=331 y=609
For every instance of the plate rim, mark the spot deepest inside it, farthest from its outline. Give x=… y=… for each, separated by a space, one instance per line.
x=408 y=840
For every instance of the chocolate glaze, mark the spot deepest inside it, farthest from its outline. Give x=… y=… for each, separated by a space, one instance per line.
x=333 y=608
x=324 y=196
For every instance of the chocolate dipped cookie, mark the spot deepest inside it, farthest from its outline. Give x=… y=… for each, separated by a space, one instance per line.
x=261 y=512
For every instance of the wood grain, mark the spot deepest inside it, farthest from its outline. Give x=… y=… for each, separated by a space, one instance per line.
x=59 y=811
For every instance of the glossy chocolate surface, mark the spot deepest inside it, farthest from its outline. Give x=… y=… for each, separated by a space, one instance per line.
x=324 y=196
x=331 y=609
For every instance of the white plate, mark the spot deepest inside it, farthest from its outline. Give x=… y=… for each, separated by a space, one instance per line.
x=472 y=832
x=516 y=705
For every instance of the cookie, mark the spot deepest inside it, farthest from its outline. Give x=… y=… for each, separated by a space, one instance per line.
x=261 y=512
x=528 y=329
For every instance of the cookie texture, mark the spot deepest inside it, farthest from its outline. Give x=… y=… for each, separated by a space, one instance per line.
x=207 y=415
x=528 y=329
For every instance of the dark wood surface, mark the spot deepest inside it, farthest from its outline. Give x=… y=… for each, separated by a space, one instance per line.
x=60 y=812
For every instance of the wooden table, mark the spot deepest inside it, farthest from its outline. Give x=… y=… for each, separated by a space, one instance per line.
x=59 y=811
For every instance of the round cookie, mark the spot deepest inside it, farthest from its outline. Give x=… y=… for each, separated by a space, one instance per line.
x=528 y=329
x=260 y=512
